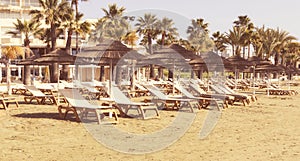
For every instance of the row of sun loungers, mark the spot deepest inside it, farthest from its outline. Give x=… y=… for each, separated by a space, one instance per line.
x=185 y=95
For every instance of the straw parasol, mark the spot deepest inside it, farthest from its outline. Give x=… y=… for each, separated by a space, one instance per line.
x=210 y=60
x=108 y=50
x=56 y=57
x=170 y=57
x=59 y=56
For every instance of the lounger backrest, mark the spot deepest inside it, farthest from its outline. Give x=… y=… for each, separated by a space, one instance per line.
x=184 y=91
x=224 y=90
x=155 y=91
x=196 y=88
x=119 y=96
x=67 y=84
x=140 y=87
x=34 y=91
x=228 y=89
x=74 y=98
x=215 y=88
x=91 y=89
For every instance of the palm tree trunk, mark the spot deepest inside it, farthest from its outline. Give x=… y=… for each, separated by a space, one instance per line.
x=54 y=66
x=163 y=35
x=8 y=79
x=248 y=50
x=27 y=79
x=76 y=10
x=150 y=44
x=276 y=59
x=102 y=79
x=150 y=52
x=244 y=52
x=65 y=68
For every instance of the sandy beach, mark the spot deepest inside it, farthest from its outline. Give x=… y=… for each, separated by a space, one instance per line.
x=266 y=130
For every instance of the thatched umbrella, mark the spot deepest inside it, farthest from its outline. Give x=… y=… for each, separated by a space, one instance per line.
x=269 y=68
x=238 y=63
x=255 y=62
x=210 y=61
x=56 y=57
x=168 y=55
x=59 y=56
x=171 y=56
x=31 y=61
x=108 y=50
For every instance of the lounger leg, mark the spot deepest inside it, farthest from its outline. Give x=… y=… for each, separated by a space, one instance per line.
x=98 y=116
x=17 y=103
x=4 y=105
x=76 y=114
x=217 y=105
x=226 y=103
x=244 y=102
x=142 y=112
x=191 y=107
x=59 y=108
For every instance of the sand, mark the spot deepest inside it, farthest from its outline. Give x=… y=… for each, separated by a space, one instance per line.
x=266 y=130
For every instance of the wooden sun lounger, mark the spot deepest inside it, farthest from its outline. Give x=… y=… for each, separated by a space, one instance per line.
x=200 y=92
x=276 y=91
x=5 y=101
x=39 y=96
x=138 y=91
x=249 y=96
x=77 y=102
x=18 y=89
x=170 y=102
x=204 y=102
x=237 y=98
x=124 y=102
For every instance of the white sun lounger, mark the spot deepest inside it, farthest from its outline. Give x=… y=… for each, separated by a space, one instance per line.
x=77 y=102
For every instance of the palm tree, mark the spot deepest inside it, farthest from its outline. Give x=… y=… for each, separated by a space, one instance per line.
x=257 y=41
x=283 y=38
x=235 y=39
x=130 y=38
x=8 y=53
x=166 y=29
x=198 y=36
x=219 y=40
x=75 y=3
x=74 y=24
x=147 y=26
x=115 y=24
x=26 y=28
x=269 y=42
x=245 y=23
x=53 y=12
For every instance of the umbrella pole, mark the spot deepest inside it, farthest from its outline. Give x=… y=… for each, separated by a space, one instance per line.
x=110 y=81
x=235 y=73
x=133 y=75
x=268 y=86
x=58 y=75
x=253 y=79
x=173 y=90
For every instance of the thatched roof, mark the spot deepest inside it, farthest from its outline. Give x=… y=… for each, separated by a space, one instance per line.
x=31 y=61
x=57 y=56
x=107 y=49
x=238 y=61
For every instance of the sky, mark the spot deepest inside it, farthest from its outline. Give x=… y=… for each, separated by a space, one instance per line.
x=220 y=14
